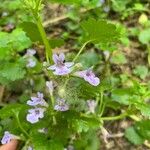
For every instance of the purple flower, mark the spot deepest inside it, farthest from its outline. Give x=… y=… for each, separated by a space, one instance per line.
x=50 y=87
x=4 y=14
x=37 y=100
x=70 y=147
x=102 y=1
x=35 y=114
x=7 y=137
x=30 y=53
x=91 y=105
x=88 y=76
x=29 y=57
x=31 y=63
x=30 y=148
x=60 y=67
x=106 y=9
x=61 y=105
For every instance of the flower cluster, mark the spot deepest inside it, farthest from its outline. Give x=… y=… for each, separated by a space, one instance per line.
x=63 y=68
x=30 y=59
x=39 y=105
x=37 y=112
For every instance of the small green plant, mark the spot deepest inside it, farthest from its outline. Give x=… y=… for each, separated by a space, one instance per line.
x=66 y=99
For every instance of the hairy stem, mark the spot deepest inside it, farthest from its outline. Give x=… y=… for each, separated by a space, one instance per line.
x=45 y=41
x=52 y=100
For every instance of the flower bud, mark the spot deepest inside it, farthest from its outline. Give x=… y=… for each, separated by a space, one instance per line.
x=61 y=92
x=143 y=19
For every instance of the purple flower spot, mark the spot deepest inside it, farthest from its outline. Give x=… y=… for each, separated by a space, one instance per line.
x=31 y=63
x=37 y=100
x=30 y=148
x=88 y=76
x=35 y=114
x=7 y=137
x=106 y=9
x=30 y=53
x=60 y=67
x=29 y=58
x=91 y=105
x=61 y=105
x=102 y=1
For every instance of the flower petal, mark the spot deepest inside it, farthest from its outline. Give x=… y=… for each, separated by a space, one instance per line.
x=62 y=71
x=69 y=64
x=53 y=67
x=31 y=63
x=6 y=138
x=80 y=74
x=55 y=58
x=31 y=103
x=40 y=95
x=64 y=107
x=32 y=119
x=94 y=81
x=61 y=57
x=91 y=105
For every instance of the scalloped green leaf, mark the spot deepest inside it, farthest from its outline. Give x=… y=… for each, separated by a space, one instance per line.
x=12 y=71
x=14 y=41
x=41 y=142
x=100 y=31
x=8 y=110
x=19 y=40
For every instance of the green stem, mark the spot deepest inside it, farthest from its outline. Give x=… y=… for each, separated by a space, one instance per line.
x=102 y=109
x=80 y=51
x=115 y=117
x=52 y=100
x=148 y=48
x=45 y=41
x=134 y=117
x=20 y=126
x=101 y=103
x=66 y=82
